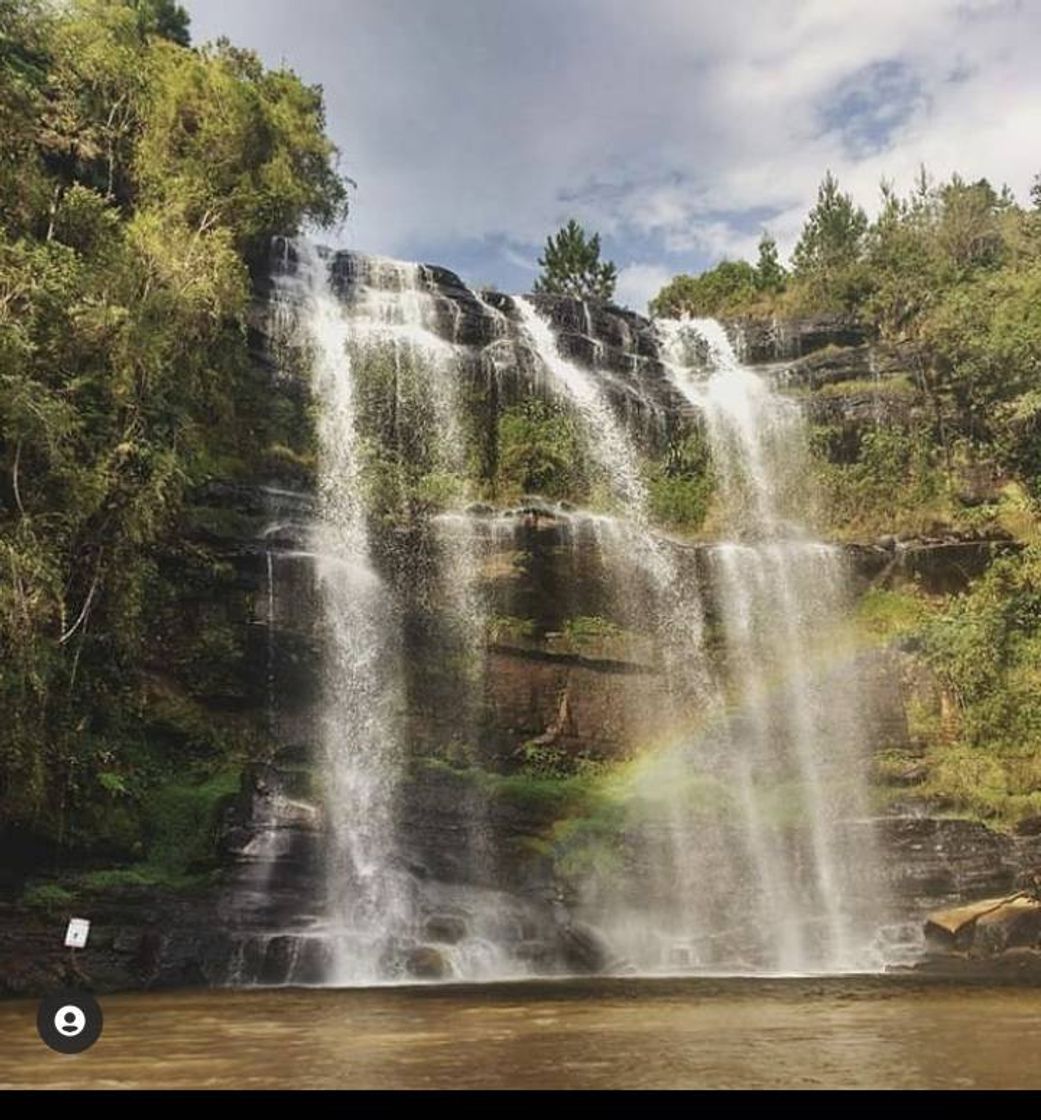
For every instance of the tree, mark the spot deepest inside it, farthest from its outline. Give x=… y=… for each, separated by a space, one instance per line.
x=728 y=287
x=969 y=231
x=770 y=274
x=571 y=266
x=164 y=18
x=137 y=178
x=833 y=234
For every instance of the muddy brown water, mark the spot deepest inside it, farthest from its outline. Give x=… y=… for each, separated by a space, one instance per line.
x=690 y=1033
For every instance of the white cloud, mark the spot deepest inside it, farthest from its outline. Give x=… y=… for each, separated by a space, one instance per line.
x=662 y=125
x=640 y=282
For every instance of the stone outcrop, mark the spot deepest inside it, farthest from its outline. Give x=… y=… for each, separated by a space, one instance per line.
x=765 y=341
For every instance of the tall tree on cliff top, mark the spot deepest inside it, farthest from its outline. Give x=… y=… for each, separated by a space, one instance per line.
x=571 y=266
x=833 y=235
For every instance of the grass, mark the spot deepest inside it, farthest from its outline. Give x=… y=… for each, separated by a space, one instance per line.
x=48 y=897
x=886 y=613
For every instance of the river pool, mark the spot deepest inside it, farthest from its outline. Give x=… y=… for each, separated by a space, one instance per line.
x=595 y=1033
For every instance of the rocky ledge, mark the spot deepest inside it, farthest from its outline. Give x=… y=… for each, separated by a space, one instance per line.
x=990 y=936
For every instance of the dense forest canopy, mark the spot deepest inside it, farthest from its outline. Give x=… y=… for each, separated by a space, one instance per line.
x=140 y=182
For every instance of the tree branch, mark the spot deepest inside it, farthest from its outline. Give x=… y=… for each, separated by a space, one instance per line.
x=82 y=617
x=14 y=478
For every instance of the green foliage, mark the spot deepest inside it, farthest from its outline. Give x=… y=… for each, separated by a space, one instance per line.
x=984 y=341
x=897 y=482
x=540 y=451
x=985 y=649
x=571 y=266
x=770 y=274
x=52 y=898
x=584 y=632
x=509 y=628
x=888 y=613
x=165 y=18
x=681 y=485
x=180 y=820
x=138 y=181
x=141 y=875
x=833 y=234
x=725 y=289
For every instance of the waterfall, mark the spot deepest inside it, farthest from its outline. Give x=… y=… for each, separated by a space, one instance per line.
x=608 y=442
x=368 y=894
x=794 y=724
x=726 y=843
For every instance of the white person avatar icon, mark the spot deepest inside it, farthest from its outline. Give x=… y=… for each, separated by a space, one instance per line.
x=69 y=1021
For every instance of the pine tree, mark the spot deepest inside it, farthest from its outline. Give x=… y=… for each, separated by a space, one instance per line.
x=571 y=266
x=770 y=274
x=833 y=234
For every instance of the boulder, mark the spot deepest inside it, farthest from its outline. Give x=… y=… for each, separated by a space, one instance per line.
x=987 y=927
x=583 y=949
x=425 y=962
x=449 y=929
x=1015 y=925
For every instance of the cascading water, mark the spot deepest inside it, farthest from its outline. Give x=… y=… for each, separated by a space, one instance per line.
x=628 y=538
x=728 y=849
x=608 y=443
x=793 y=729
x=369 y=895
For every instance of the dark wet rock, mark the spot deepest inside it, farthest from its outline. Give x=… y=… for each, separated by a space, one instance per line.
x=1017 y=925
x=583 y=948
x=987 y=928
x=776 y=340
x=940 y=565
x=425 y=962
x=448 y=929
x=313 y=961
x=1012 y=966
x=936 y=861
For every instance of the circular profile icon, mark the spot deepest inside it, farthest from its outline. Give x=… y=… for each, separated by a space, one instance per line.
x=69 y=1022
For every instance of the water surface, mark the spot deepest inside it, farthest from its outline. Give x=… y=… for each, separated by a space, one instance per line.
x=863 y=1032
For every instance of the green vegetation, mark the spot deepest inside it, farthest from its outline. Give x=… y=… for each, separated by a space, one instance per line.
x=728 y=286
x=947 y=278
x=508 y=628
x=975 y=714
x=540 y=451
x=52 y=898
x=681 y=485
x=589 y=631
x=571 y=266
x=141 y=182
x=827 y=261
x=895 y=483
x=888 y=613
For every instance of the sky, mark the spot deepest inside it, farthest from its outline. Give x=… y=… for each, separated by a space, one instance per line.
x=678 y=129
